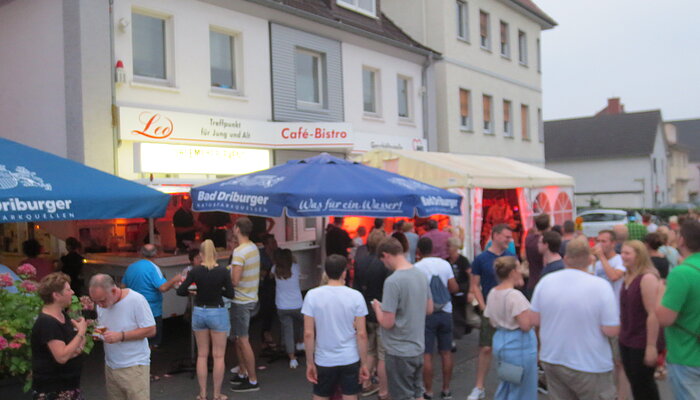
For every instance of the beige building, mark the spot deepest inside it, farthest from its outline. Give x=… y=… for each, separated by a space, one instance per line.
x=678 y=169
x=489 y=81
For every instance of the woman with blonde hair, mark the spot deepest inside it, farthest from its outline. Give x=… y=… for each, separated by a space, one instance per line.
x=210 y=319
x=639 y=326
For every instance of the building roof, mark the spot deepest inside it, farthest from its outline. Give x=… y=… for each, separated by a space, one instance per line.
x=689 y=137
x=343 y=18
x=530 y=6
x=602 y=136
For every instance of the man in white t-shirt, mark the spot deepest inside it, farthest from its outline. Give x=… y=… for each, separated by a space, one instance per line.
x=610 y=267
x=438 y=325
x=576 y=313
x=128 y=320
x=335 y=336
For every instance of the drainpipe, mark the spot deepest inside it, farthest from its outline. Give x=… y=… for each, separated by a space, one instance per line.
x=115 y=131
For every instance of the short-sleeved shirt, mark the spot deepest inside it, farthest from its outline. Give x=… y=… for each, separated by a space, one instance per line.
x=49 y=375
x=437 y=266
x=503 y=306
x=573 y=305
x=131 y=312
x=439 y=239
x=145 y=277
x=636 y=231
x=288 y=291
x=483 y=267
x=616 y=263
x=248 y=256
x=554 y=266
x=334 y=309
x=406 y=294
x=683 y=296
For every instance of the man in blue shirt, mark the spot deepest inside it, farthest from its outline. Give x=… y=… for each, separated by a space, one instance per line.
x=146 y=278
x=483 y=279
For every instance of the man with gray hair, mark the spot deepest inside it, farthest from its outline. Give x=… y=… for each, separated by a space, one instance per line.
x=126 y=320
x=146 y=278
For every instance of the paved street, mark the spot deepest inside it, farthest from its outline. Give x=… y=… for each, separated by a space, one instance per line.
x=277 y=380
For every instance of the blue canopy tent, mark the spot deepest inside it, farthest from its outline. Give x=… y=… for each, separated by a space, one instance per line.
x=325 y=186
x=39 y=186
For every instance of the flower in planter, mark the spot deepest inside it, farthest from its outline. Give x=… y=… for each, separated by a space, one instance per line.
x=21 y=337
x=15 y=345
x=26 y=271
x=6 y=280
x=3 y=343
x=28 y=286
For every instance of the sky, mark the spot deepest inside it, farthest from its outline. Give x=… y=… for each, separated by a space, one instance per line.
x=647 y=52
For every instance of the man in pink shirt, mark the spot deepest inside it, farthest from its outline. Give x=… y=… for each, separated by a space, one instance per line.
x=439 y=239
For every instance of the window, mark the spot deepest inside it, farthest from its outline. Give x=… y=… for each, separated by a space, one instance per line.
x=309 y=77
x=522 y=47
x=525 y=121
x=541 y=205
x=507 y=119
x=488 y=114
x=505 y=42
x=539 y=56
x=540 y=125
x=563 y=209
x=149 y=46
x=462 y=20
x=465 y=115
x=370 y=91
x=404 y=96
x=484 y=30
x=222 y=58
x=367 y=7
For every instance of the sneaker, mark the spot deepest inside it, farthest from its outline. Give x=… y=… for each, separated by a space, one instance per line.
x=427 y=396
x=370 y=390
x=446 y=395
x=293 y=364
x=246 y=386
x=235 y=369
x=542 y=386
x=477 y=394
x=237 y=379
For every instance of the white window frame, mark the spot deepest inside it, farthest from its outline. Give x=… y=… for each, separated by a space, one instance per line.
x=488 y=130
x=505 y=52
x=508 y=125
x=470 y=116
x=302 y=104
x=485 y=42
x=237 y=62
x=462 y=11
x=522 y=47
x=168 y=46
x=354 y=6
x=377 y=92
x=409 y=98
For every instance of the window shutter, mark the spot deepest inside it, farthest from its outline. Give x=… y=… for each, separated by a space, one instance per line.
x=506 y=111
x=484 y=18
x=464 y=103
x=504 y=33
x=487 y=108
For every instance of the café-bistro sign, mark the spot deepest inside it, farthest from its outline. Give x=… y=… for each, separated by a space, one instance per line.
x=158 y=126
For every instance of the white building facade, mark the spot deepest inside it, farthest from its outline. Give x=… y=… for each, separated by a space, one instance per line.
x=489 y=91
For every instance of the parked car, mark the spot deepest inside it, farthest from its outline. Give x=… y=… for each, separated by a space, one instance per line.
x=595 y=221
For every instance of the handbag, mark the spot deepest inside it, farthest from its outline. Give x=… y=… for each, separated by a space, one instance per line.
x=508 y=372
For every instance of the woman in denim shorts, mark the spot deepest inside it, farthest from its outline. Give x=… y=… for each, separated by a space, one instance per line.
x=210 y=320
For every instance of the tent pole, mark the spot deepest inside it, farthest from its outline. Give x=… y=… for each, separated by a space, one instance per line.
x=151 y=231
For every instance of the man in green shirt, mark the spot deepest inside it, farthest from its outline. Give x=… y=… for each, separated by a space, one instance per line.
x=636 y=230
x=679 y=312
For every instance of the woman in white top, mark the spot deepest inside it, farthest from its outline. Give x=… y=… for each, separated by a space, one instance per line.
x=515 y=341
x=288 y=301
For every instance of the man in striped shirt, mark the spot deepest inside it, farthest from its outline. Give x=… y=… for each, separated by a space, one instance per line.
x=245 y=274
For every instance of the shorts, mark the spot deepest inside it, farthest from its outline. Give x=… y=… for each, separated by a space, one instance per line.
x=486 y=332
x=375 y=347
x=214 y=319
x=438 y=326
x=405 y=377
x=240 y=318
x=345 y=376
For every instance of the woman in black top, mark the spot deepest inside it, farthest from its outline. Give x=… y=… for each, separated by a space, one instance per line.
x=460 y=266
x=57 y=342
x=210 y=319
x=72 y=265
x=654 y=241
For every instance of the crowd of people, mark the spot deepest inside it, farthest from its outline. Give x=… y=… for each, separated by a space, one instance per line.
x=574 y=317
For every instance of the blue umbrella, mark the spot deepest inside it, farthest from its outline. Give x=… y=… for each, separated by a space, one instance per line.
x=39 y=186
x=325 y=186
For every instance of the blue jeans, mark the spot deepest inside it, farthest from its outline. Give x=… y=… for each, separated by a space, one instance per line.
x=519 y=348
x=685 y=381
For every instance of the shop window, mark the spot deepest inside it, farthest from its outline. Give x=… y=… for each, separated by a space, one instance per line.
x=404 y=97
x=149 y=44
x=563 y=209
x=542 y=205
x=370 y=91
x=309 y=78
x=222 y=58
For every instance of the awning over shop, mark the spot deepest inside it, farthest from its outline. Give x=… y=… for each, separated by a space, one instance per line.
x=39 y=186
x=447 y=170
